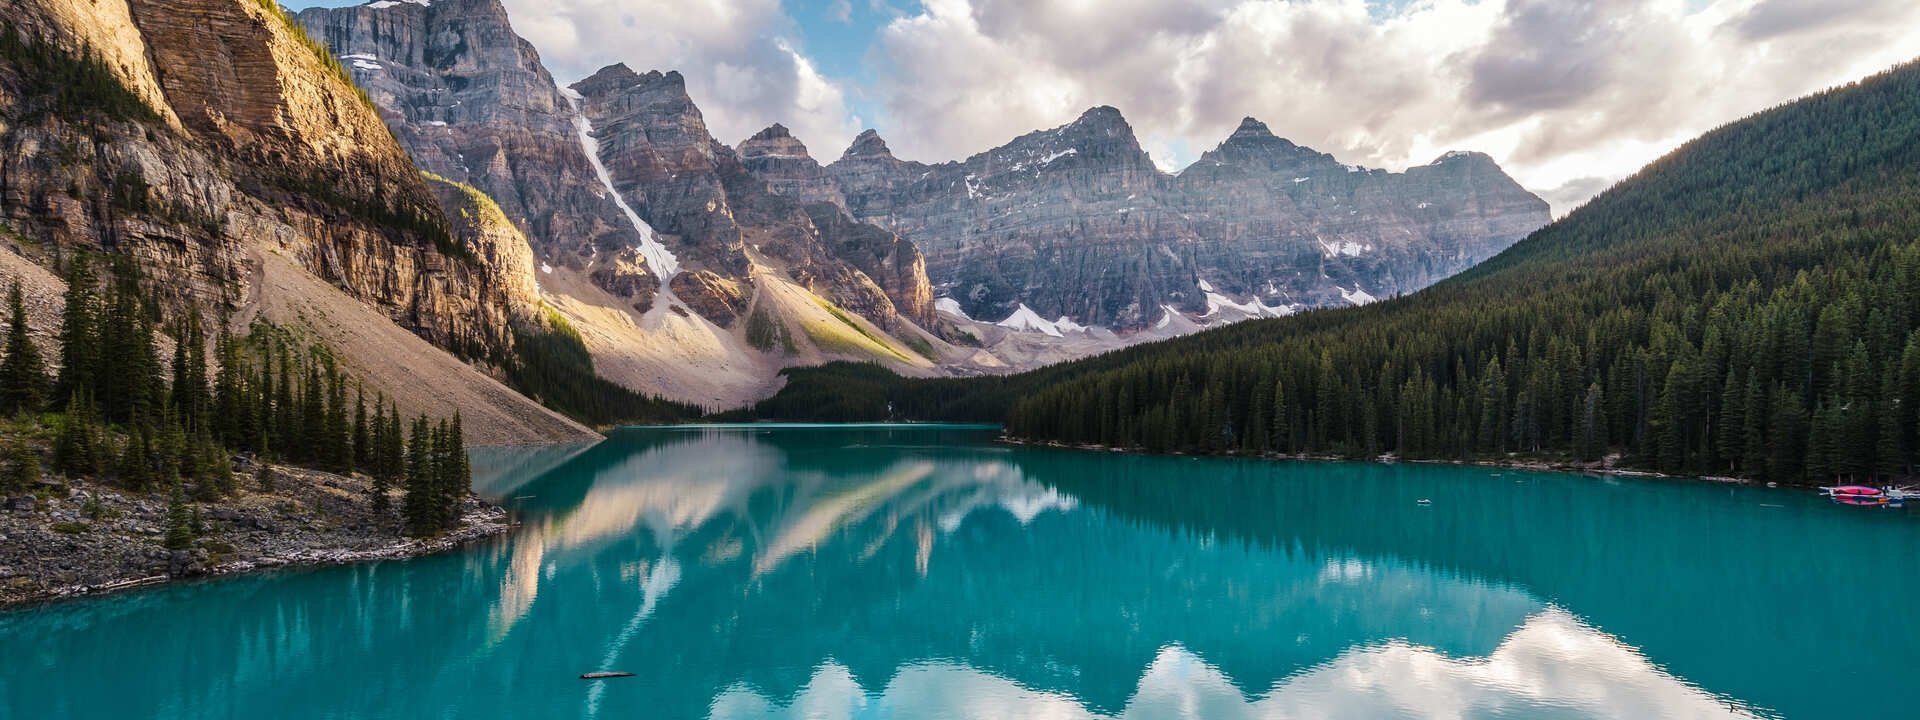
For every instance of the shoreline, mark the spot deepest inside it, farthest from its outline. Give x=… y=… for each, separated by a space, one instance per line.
x=81 y=539
x=1601 y=468
x=491 y=523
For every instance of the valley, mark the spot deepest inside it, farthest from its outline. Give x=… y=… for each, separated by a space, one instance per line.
x=957 y=359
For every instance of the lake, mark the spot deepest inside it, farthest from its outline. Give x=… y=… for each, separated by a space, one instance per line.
x=928 y=572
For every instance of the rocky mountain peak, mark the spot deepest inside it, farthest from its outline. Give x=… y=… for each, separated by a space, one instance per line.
x=868 y=144
x=611 y=78
x=774 y=142
x=1104 y=120
x=1464 y=158
x=1254 y=137
x=1251 y=129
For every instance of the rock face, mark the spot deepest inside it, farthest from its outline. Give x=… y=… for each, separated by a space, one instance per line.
x=654 y=241
x=779 y=158
x=722 y=221
x=471 y=101
x=1077 y=222
x=252 y=149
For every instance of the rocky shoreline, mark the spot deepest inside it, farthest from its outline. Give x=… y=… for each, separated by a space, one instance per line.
x=69 y=539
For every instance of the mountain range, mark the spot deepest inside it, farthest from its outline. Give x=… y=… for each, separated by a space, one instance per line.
x=1062 y=243
x=408 y=177
x=1077 y=222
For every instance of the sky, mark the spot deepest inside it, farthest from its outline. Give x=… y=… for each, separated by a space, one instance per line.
x=1568 y=95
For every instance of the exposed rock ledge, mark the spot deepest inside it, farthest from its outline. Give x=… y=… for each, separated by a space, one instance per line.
x=77 y=538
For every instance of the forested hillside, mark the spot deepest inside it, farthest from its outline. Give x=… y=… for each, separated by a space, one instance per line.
x=1745 y=306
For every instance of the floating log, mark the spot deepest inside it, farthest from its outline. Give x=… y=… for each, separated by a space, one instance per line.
x=604 y=675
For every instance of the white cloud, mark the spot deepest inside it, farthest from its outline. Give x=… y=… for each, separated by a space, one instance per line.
x=1568 y=96
x=743 y=63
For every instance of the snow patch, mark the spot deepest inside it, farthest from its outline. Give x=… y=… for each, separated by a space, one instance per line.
x=1166 y=317
x=1067 y=325
x=384 y=4
x=1357 y=296
x=1301 y=180
x=1343 y=248
x=1048 y=160
x=1280 y=310
x=1026 y=320
x=1423 y=206
x=1217 y=302
x=659 y=259
x=545 y=268
x=950 y=306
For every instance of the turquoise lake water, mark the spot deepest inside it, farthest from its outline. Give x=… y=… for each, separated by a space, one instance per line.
x=926 y=572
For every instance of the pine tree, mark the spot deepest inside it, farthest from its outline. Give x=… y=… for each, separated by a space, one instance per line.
x=23 y=467
x=463 y=469
x=377 y=465
x=1591 y=433
x=420 y=506
x=1787 y=436
x=79 y=333
x=77 y=447
x=311 y=437
x=129 y=369
x=190 y=396
x=394 y=449
x=446 y=470
x=1753 y=459
x=362 y=442
x=137 y=469
x=179 y=521
x=288 y=442
x=339 y=428
x=23 y=376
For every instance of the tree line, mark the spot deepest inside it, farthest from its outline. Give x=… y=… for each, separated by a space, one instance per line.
x=120 y=413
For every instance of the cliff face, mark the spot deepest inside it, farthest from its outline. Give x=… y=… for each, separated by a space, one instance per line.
x=777 y=157
x=470 y=101
x=252 y=151
x=1293 y=216
x=1077 y=222
x=721 y=221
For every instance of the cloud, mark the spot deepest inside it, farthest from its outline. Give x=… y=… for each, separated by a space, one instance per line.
x=1570 y=97
x=744 y=64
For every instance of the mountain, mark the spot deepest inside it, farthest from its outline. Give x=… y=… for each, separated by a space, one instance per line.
x=1748 y=305
x=699 y=193
x=681 y=273
x=1077 y=223
x=470 y=101
x=231 y=157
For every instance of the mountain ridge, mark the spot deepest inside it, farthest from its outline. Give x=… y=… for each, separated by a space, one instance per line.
x=992 y=224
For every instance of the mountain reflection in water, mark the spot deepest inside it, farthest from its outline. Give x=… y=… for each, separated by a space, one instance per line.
x=888 y=572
